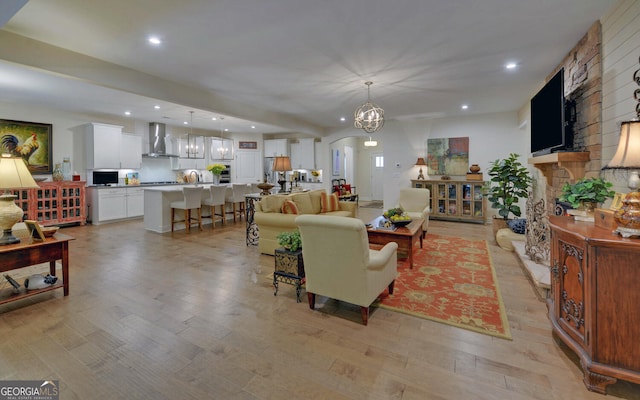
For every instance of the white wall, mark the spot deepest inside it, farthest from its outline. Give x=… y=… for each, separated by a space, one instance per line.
x=620 y=52
x=491 y=136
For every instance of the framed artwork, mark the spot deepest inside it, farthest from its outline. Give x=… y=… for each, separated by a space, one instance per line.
x=335 y=161
x=34 y=229
x=29 y=140
x=247 y=145
x=448 y=156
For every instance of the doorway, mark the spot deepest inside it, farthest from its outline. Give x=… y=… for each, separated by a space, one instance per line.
x=377 y=176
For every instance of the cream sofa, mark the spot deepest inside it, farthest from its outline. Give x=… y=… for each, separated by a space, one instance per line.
x=271 y=221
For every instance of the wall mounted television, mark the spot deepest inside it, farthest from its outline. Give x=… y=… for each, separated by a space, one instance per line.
x=548 y=133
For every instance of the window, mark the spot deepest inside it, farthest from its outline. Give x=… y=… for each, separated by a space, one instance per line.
x=379 y=161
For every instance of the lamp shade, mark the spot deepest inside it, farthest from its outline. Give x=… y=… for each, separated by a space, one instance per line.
x=282 y=164
x=421 y=161
x=627 y=155
x=14 y=173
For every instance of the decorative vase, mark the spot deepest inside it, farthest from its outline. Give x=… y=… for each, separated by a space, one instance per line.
x=57 y=175
x=474 y=168
x=216 y=179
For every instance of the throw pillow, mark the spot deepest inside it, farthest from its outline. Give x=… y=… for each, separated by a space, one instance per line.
x=303 y=202
x=289 y=207
x=273 y=203
x=518 y=225
x=329 y=202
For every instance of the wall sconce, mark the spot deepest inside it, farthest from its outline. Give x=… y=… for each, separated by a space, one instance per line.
x=627 y=158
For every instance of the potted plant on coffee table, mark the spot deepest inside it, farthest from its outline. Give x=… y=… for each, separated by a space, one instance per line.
x=509 y=183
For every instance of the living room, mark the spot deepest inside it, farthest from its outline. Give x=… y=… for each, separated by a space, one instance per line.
x=192 y=316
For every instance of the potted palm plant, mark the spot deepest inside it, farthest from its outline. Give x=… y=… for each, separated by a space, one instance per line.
x=509 y=182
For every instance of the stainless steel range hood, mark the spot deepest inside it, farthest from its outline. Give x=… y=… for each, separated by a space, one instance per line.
x=158 y=141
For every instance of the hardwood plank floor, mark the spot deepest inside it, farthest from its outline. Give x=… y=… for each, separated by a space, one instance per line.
x=177 y=316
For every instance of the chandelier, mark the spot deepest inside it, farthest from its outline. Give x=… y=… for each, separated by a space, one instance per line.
x=370 y=143
x=369 y=116
x=222 y=149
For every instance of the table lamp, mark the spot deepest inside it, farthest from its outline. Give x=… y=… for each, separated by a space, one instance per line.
x=13 y=174
x=420 y=163
x=627 y=157
x=282 y=164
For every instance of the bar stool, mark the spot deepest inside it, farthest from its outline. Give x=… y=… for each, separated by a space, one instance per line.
x=236 y=199
x=217 y=194
x=192 y=201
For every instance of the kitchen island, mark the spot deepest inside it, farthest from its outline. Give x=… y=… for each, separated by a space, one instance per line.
x=157 y=206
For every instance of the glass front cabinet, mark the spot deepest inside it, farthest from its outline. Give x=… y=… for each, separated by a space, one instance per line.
x=455 y=200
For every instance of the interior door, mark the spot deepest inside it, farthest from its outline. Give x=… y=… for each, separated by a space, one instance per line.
x=377 y=176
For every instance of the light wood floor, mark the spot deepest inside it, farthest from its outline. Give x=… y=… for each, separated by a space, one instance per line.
x=193 y=316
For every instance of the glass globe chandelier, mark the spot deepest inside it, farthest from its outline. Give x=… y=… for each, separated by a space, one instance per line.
x=369 y=116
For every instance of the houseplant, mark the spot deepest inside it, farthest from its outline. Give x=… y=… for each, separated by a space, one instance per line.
x=290 y=240
x=586 y=193
x=509 y=182
x=216 y=170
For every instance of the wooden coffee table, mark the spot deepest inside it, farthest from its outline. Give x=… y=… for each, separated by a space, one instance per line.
x=405 y=236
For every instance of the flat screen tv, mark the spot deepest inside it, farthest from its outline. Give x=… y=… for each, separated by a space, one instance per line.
x=548 y=133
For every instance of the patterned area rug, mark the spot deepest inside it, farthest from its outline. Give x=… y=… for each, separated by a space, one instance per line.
x=453 y=282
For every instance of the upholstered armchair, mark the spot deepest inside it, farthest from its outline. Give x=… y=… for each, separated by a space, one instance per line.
x=339 y=264
x=416 y=203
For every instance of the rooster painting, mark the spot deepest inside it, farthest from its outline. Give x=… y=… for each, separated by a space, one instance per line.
x=11 y=144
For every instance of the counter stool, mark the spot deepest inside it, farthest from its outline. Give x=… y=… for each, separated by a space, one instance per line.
x=192 y=201
x=216 y=198
x=236 y=199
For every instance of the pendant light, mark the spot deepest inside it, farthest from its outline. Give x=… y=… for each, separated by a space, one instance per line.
x=222 y=150
x=369 y=116
x=370 y=143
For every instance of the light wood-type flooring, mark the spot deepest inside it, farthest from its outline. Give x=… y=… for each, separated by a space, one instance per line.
x=193 y=316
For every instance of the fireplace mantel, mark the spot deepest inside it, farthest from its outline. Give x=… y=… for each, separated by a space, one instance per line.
x=572 y=162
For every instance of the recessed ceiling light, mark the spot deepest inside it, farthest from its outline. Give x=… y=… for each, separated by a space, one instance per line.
x=214 y=119
x=465 y=107
x=253 y=127
x=186 y=123
x=342 y=119
x=155 y=40
x=156 y=107
x=226 y=129
x=510 y=65
x=127 y=113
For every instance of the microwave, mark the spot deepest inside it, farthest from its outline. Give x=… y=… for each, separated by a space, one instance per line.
x=105 y=177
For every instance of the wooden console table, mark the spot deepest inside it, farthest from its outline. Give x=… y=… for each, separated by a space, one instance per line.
x=595 y=278
x=31 y=252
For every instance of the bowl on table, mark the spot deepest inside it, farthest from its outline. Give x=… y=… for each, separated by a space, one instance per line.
x=403 y=222
x=49 y=231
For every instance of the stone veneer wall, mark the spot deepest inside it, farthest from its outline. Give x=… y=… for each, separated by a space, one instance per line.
x=583 y=84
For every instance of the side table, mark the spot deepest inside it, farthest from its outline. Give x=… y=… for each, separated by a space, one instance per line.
x=289 y=268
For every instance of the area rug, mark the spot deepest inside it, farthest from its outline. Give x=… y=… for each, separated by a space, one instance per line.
x=452 y=281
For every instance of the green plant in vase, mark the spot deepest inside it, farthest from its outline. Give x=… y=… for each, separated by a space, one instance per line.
x=290 y=240
x=510 y=182
x=587 y=193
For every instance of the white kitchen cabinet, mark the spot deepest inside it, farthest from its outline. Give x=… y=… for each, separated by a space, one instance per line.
x=130 y=151
x=248 y=168
x=276 y=147
x=135 y=201
x=303 y=154
x=107 y=204
x=103 y=144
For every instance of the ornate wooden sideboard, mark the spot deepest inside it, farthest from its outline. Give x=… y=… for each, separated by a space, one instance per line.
x=54 y=202
x=595 y=292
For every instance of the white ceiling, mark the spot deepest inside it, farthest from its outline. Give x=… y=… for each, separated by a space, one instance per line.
x=286 y=65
